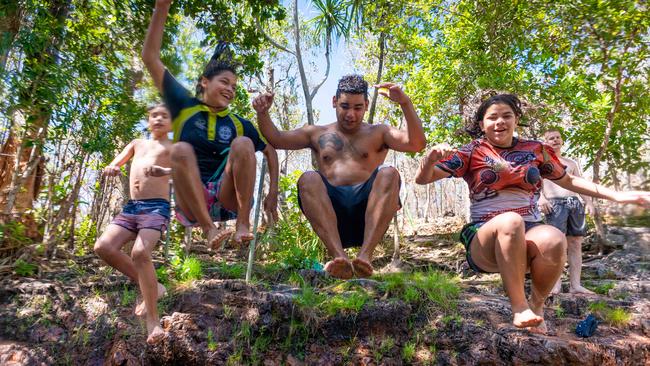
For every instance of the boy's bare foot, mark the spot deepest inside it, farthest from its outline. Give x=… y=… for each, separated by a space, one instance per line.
x=361 y=268
x=581 y=290
x=340 y=268
x=141 y=309
x=216 y=237
x=526 y=318
x=155 y=335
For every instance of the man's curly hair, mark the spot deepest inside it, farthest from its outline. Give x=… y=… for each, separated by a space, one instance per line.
x=352 y=84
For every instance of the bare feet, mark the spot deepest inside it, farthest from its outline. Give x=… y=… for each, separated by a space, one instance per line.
x=526 y=318
x=541 y=327
x=340 y=268
x=361 y=268
x=581 y=290
x=155 y=335
x=216 y=237
x=243 y=234
x=141 y=309
x=557 y=288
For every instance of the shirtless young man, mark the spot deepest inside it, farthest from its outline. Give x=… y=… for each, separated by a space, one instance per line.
x=565 y=211
x=352 y=198
x=144 y=216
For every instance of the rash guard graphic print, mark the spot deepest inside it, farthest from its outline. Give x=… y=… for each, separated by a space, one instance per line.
x=504 y=179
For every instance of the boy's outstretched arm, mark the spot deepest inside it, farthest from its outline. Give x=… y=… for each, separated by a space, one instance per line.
x=289 y=140
x=153 y=42
x=113 y=168
x=271 y=200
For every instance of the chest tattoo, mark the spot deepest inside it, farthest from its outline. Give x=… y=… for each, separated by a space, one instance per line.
x=330 y=139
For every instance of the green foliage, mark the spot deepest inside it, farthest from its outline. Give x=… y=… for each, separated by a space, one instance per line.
x=292 y=243
x=232 y=270
x=616 y=317
x=25 y=269
x=602 y=288
x=309 y=298
x=212 y=345
x=13 y=233
x=408 y=352
x=347 y=302
x=190 y=269
x=85 y=235
x=128 y=296
x=433 y=286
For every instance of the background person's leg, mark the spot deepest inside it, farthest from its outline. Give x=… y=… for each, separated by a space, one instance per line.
x=238 y=182
x=500 y=246
x=317 y=207
x=109 y=248
x=383 y=203
x=141 y=254
x=574 y=244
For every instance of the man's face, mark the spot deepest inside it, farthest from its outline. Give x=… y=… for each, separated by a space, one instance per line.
x=159 y=121
x=554 y=140
x=350 y=109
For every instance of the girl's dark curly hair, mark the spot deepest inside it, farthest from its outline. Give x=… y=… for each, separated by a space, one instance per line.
x=220 y=61
x=511 y=100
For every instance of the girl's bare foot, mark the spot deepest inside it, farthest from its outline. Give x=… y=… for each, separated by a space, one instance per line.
x=362 y=268
x=539 y=311
x=526 y=318
x=340 y=268
x=243 y=234
x=141 y=309
x=557 y=288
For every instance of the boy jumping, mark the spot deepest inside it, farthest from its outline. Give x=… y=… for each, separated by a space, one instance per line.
x=144 y=216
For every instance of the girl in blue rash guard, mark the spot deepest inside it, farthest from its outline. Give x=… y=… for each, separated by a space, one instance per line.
x=213 y=156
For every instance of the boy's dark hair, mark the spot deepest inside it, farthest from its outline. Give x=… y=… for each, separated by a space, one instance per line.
x=154 y=106
x=220 y=61
x=352 y=84
x=510 y=100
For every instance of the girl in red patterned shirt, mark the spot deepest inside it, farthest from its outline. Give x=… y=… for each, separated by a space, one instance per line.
x=506 y=233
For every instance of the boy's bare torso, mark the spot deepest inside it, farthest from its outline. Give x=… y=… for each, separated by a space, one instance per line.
x=346 y=159
x=148 y=153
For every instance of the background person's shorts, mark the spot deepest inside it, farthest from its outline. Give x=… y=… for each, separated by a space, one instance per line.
x=144 y=214
x=568 y=216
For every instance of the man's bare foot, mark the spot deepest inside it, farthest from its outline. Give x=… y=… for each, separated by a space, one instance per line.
x=155 y=335
x=340 y=268
x=581 y=290
x=361 y=268
x=141 y=309
x=216 y=237
x=557 y=288
x=539 y=311
x=526 y=318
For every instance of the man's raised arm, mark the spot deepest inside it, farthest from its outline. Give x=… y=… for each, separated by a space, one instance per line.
x=288 y=140
x=413 y=139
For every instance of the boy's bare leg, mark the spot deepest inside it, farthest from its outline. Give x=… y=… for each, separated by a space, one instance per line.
x=575 y=265
x=383 y=202
x=189 y=191
x=109 y=248
x=546 y=247
x=236 y=192
x=318 y=209
x=144 y=244
x=500 y=246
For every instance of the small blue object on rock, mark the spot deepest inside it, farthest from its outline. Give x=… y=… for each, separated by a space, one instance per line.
x=587 y=328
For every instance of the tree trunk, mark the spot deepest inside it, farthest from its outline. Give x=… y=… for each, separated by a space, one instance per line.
x=10 y=24
x=380 y=69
